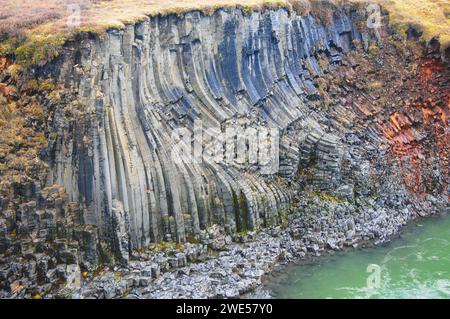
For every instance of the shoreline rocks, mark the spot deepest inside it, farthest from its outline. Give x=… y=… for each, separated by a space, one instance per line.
x=240 y=268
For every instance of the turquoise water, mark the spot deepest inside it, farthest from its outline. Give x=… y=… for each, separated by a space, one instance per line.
x=417 y=265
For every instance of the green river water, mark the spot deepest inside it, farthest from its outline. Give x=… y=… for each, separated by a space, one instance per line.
x=416 y=265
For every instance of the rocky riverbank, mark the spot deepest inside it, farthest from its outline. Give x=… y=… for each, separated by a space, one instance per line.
x=225 y=267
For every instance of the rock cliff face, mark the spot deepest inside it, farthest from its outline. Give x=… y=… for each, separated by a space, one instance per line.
x=140 y=86
x=315 y=92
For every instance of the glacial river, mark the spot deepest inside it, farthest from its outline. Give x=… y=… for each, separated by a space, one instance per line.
x=416 y=265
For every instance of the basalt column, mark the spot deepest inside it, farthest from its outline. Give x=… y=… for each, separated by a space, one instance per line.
x=138 y=88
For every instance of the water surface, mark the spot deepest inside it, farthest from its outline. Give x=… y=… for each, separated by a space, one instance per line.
x=416 y=265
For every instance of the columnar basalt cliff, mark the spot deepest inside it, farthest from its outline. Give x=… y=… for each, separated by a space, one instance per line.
x=141 y=84
x=358 y=114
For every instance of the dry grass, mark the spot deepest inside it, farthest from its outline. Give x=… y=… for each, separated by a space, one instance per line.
x=50 y=16
x=35 y=19
x=432 y=16
x=19 y=142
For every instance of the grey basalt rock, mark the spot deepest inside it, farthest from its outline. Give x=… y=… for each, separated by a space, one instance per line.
x=140 y=85
x=120 y=228
x=115 y=190
x=241 y=268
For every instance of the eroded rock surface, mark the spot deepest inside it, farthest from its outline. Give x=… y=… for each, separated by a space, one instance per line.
x=360 y=115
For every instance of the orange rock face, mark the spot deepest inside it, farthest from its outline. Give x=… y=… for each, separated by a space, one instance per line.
x=418 y=133
x=4 y=64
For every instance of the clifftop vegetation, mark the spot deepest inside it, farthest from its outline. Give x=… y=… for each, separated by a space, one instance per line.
x=35 y=29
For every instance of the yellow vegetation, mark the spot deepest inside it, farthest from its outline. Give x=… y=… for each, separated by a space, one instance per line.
x=21 y=124
x=162 y=247
x=47 y=23
x=431 y=16
x=376 y=84
x=40 y=49
x=326 y=197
